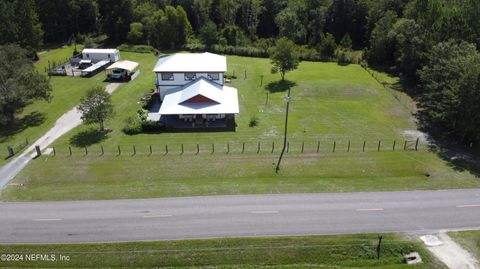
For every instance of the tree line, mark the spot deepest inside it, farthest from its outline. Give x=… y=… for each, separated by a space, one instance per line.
x=432 y=44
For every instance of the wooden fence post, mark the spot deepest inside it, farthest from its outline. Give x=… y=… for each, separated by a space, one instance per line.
x=379 y=144
x=86 y=150
x=364 y=144
x=101 y=148
x=334 y=145
x=348 y=147
x=416 y=144
x=303 y=146
x=261 y=80
x=394 y=144
x=26 y=140
x=70 y=150
x=54 y=152
x=228 y=148
x=182 y=148
x=134 y=150
x=243 y=147
x=245 y=74
x=405 y=145
x=198 y=148
x=166 y=148
x=119 y=151
x=273 y=146
x=213 y=148
x=151 y=150
x=258 y=147
x=318 y=146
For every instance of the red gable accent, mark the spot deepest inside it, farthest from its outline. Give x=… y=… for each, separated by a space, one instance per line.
x=199 y=99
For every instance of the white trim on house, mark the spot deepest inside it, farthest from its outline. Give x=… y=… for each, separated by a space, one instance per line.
x=225 y=99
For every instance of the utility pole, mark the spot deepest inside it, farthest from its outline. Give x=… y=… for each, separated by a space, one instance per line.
x=287 y=99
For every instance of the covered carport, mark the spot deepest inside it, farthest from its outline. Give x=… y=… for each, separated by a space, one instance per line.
x=123 y=71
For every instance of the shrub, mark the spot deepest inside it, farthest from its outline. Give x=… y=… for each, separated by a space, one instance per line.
x=253 y=121
x=152 y=126
x=344 y=57
x=133 y=125
x=308 y=54
x=138 y=48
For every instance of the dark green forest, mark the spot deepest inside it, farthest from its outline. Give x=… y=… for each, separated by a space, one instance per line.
x=432 y=45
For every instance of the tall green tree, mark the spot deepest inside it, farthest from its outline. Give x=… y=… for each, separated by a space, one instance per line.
x=20 y=84
x=327 y=47
x=115 y=17
x=381 y=48
x=209 y=34
x=28 y=31
x=449 y=81
x=409 y=46
x=284 y=56
x=290 y=26
x=96 y=107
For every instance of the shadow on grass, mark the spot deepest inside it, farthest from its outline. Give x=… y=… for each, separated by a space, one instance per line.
x=280 y=86
x=31 y=120
x=88 y=137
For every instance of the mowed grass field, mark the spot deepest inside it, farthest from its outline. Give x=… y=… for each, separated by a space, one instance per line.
x=341 y=251
x=330 y=104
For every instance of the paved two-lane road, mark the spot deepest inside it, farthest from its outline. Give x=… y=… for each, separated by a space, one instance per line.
x=243 y=215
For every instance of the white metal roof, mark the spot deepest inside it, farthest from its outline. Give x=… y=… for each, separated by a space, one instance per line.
x=95 y=66
x=192 y=62
x=125 y=65
x=99 y=51
x=226 y=98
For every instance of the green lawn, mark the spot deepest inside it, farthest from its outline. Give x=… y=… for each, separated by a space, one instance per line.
x=470 y=240
x=346 y=251
x=41 y=115
x=331 y=104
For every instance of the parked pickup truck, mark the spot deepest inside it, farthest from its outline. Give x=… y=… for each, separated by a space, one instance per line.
x=119 y=74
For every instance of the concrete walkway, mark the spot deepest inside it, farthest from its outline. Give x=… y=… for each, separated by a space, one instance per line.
x=449 y=252
x=63 y=125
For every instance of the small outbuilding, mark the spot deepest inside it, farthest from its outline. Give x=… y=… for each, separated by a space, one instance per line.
x=97 y=55
x=123 y=70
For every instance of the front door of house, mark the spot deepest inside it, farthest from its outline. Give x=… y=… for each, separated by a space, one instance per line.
x=198 y=119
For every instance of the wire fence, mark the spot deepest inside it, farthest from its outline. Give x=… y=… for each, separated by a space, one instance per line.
x=260 y=147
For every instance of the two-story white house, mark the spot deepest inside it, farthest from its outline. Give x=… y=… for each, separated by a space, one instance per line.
x=192 y=91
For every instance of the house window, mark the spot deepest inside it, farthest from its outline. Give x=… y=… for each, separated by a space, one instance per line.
x=190 y=76
x=213 y=76
x=167 y=76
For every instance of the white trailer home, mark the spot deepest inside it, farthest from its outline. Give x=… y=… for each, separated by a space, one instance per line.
x=97 y=55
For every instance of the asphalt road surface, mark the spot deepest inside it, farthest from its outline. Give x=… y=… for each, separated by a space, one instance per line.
x=235 y=216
